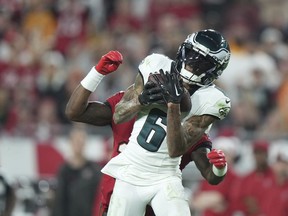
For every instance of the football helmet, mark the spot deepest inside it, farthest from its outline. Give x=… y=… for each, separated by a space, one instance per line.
x=207 y=53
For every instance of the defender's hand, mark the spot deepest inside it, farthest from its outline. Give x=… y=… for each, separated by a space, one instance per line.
x=109 y=62
x=152 y=93
x=172 y=87
x=217 y=158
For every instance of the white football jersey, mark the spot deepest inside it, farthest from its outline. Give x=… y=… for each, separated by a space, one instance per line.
x=145 y=160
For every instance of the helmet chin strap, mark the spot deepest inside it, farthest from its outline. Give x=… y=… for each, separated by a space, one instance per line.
x=189 y=77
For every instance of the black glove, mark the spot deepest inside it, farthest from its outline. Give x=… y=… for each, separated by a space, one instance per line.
x=172 y=86
x=152 y=93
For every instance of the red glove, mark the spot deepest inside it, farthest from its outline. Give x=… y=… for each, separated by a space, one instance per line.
x=217 y=158
x=109 y=62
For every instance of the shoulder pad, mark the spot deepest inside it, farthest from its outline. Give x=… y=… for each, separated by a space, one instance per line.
x=152 y=64
x=211 y=101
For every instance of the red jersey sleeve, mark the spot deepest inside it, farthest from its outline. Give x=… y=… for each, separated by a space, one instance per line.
x=114 y=99
x=204 y=142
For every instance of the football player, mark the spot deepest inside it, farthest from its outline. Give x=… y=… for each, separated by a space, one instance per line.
x=102 y=114
x=96 y=113
x=147 y=171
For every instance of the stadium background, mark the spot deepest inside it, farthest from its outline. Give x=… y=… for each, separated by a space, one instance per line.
x=47 y=46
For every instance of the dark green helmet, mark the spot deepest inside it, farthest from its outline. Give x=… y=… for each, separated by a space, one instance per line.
x=207 y=53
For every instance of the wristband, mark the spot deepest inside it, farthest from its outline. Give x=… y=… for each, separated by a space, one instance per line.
x=92 y=80
x=219 y=172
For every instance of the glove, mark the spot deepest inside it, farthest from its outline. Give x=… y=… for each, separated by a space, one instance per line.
x=172 y=86
x=217 y=158
x=109 y=62
x=152 y=93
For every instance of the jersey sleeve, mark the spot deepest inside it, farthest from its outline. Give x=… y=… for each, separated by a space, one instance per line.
x=114 y=99
x=210 y=101
x=152 y=64
x=204 y=142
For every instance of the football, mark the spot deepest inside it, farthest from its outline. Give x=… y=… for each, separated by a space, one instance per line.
x=155 y=78
x=185 y=105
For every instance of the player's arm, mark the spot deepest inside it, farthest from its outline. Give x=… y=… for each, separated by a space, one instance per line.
x=135 y=98
x=211 y=164
x=129 y=105
x=79 y=108
x=181 y=137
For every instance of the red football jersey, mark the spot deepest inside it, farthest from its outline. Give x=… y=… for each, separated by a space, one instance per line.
x=121 y=134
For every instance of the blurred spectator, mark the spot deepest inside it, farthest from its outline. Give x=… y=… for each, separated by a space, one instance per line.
x=180 y=9
x=51 y=76
x=213 y=11
x=51 y=80
x=216 y=200
x=122 y=19
x=31 y=31
x=72 y=21
x=47 y=46
x=276 y=197
x=96 y=13
x=39 y=25
x=282 y=100
x=78 y=180
x=276 y=124
x=254 y=185
x=272 y=41
x=20 y=119
x=7 y=197
x=4 y=105
x=251 y=79
x=168 y=34
x=47 y=125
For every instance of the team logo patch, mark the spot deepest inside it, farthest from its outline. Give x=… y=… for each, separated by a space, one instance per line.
x=224 y=111
x=224 y=107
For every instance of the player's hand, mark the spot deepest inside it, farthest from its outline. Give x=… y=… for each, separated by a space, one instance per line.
x=172 y=86
x=217 y=158
x=152 y=93
x=109 y=62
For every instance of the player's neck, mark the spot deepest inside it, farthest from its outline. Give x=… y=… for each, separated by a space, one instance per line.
x=192 y=88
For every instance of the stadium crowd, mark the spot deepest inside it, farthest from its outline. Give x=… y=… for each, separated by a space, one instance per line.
x=48 y=46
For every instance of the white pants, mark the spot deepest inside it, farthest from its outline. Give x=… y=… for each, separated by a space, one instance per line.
x=166 y=199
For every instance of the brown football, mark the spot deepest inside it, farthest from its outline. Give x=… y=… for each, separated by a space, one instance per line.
x=156 y=78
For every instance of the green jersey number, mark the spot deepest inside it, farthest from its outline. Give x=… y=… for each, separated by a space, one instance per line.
x=153 y=131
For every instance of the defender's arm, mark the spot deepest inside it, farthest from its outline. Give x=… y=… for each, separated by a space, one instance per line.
x=203 y=164
x=79 y=109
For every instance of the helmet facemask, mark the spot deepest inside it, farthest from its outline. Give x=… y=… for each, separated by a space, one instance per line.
x=203 y=68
